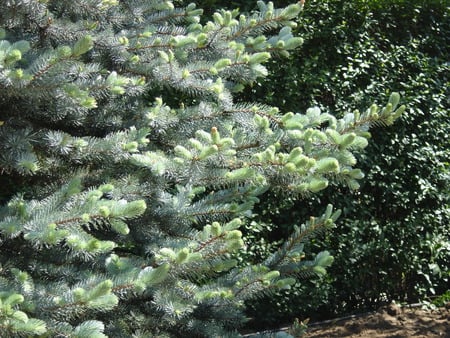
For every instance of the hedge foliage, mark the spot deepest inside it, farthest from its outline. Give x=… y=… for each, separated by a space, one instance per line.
x=393 y=239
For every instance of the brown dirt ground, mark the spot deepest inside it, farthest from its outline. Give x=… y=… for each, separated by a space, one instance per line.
x=391 y=321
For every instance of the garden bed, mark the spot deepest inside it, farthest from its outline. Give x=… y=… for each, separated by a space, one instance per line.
x=391 y=321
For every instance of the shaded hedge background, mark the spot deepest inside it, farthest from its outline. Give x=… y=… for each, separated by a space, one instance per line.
x=392 y=241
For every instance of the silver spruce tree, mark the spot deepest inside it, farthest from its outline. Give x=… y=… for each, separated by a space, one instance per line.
x=128 y=166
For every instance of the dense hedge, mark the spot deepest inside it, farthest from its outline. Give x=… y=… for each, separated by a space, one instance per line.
x=392 y=242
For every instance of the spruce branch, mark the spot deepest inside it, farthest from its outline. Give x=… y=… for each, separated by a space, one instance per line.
x=130 y=165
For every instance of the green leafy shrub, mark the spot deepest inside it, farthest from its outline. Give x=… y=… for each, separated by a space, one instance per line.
x=392 y=243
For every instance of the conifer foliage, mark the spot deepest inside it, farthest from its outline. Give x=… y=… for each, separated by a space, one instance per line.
x=128 y=166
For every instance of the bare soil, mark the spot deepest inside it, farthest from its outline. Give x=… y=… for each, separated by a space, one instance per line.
x=390 y=321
